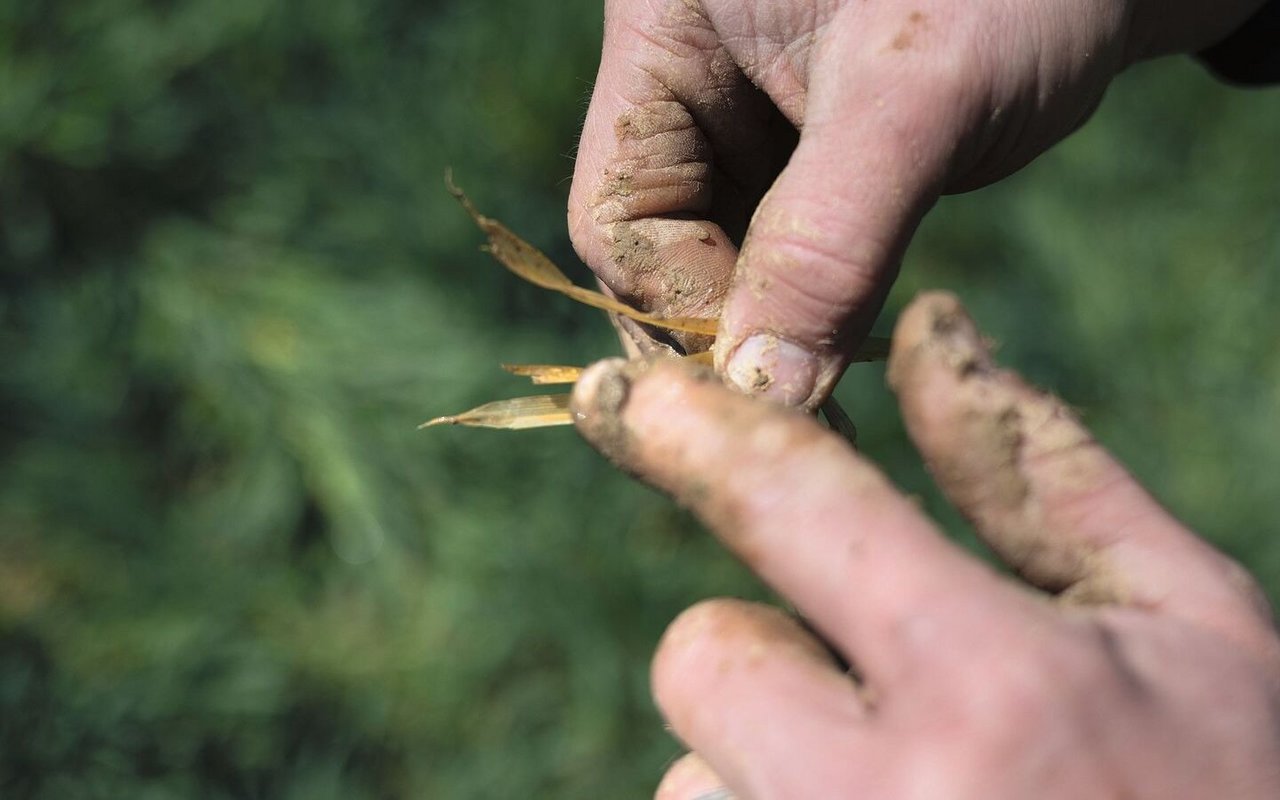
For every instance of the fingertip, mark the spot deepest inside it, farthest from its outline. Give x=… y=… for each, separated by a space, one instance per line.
x=598 y=398
x=602 y=399
x=691 y=778
x=1002 y=450
x=597 y=389
x=935 y=324
x=725 y=663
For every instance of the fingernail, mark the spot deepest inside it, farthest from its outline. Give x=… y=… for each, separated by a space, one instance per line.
x=767 y=366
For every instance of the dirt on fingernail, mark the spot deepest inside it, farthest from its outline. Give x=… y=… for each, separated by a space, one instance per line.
x=601 y=418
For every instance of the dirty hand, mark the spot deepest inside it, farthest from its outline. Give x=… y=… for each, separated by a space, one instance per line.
x=695 y=116
x=1143 y=665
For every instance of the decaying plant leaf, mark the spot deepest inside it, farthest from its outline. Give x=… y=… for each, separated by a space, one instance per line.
x=540 y=411
x=531 y=264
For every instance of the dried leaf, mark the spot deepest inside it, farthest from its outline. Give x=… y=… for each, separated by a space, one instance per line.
x=518 y=413
x=545 y=373
x=531 y=264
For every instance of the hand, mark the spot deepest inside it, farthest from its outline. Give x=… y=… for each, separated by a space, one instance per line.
x=1143 y=664
x=695 y=116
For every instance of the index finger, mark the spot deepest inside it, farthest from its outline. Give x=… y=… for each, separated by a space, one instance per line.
x=817 y=522
x=665 y=176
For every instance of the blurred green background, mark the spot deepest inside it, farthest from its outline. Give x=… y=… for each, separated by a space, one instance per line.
x=233 y=284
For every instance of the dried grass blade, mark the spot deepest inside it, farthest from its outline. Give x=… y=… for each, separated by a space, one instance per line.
x=545 y=373
x=532 y=264
x=840 y=421
x=515 y=253
x=518 y=413
x=700 y=325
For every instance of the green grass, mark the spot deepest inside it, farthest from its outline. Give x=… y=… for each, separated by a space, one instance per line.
x=233 y=284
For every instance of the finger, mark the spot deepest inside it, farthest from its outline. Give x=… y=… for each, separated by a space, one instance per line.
x=818 y=523
x=690 y=778
x=756 y=696
x=1047 y=497
x=824 y=246
x=675 y=151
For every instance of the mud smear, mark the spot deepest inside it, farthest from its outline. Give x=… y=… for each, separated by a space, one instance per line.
x=978 y=428
x=673 y=267
x=598 y=402
x=916 y=23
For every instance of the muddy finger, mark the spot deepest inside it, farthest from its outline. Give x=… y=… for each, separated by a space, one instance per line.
x=675 y=152
x=1041 y=491
x=755 y=695
x=818 y=523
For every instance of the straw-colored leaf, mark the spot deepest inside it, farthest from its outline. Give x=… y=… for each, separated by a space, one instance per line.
x=545 y=373
x=532 y=264
x=529 y=263
x=518 y=413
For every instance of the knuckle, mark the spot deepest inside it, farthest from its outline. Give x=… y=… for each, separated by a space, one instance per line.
x=1037 y=682
x=810 y=279
x=935 y=79
x=661 y=120
x=661 y=163
x=681 y=36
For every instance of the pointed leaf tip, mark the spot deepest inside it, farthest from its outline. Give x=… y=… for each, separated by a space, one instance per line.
x=518 y=413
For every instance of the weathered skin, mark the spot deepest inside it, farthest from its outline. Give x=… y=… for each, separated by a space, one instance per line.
x=698 y=106
x=1134 y=662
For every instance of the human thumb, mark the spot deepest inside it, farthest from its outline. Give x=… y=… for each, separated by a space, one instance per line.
x=824 y=246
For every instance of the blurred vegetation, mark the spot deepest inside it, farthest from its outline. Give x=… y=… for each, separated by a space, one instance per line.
x=232 y=285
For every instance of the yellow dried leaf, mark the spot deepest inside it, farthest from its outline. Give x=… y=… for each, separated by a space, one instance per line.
x=518 y=413
x=533 y=265
x=545 y=373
